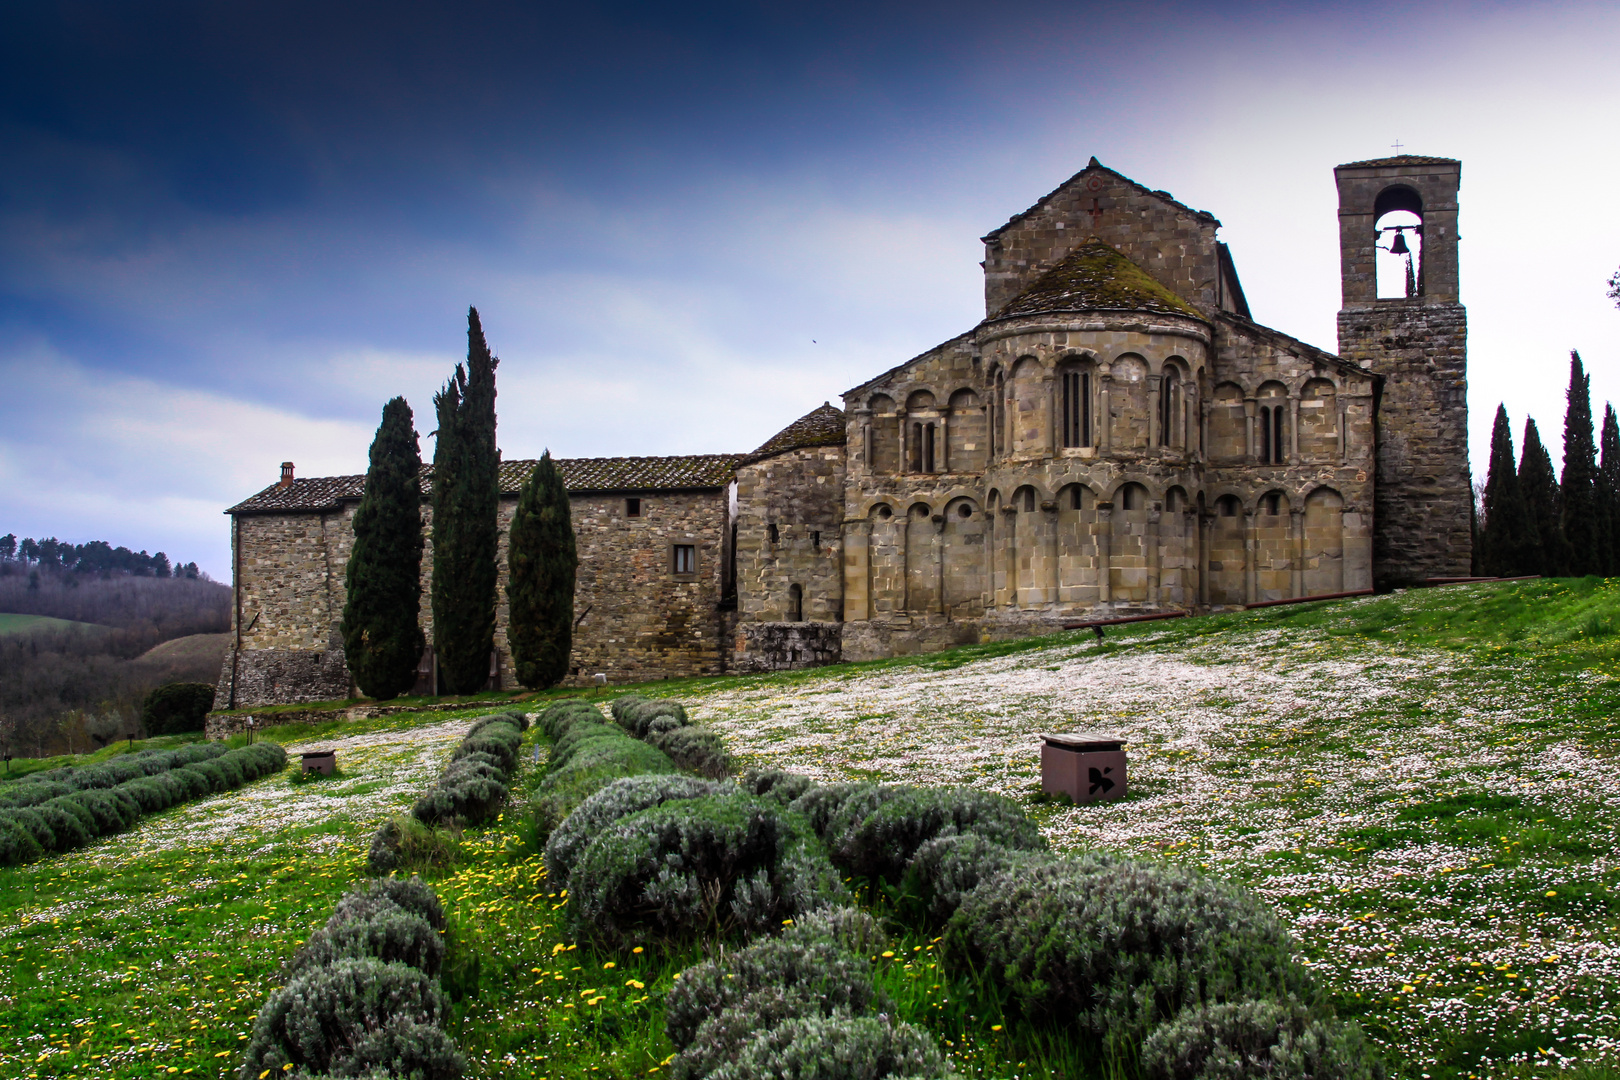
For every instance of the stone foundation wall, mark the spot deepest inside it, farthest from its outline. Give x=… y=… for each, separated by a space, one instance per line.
x=784 y=646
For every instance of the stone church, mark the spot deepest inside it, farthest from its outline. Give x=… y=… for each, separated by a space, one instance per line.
x=1117 y=436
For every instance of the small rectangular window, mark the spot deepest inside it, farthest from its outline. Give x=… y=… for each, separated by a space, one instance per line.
x=685 y=561
x=632 y=508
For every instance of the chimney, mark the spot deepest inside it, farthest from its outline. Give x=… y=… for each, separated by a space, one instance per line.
x=286 y=474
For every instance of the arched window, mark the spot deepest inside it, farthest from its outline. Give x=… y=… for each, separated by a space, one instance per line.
x=795 y=612
x=1132 y=497
x=1271 y=445
x=1272 y=503
x=1074 y=392
x=1228 y=506
x=1170 y=407
x=1398 y=222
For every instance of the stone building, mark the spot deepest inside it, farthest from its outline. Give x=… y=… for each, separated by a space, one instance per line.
x=1117 y=436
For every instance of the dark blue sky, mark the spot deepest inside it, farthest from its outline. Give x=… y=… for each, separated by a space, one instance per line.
x=229 y=232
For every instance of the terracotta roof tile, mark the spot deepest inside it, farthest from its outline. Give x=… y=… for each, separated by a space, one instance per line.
x=1403 y=159
x=1095 y=277
x=821 y=426
x=693 y=472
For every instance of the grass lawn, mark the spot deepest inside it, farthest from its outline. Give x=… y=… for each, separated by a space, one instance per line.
x=11 y=623
x=1421 y=784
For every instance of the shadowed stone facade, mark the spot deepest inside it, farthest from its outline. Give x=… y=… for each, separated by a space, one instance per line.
x=1116 y=437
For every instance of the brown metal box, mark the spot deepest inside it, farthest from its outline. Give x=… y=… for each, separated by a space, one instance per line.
x=321 y=761
x=1083 y=766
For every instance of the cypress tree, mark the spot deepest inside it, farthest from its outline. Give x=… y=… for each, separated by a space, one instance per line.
x=1539 y=486
x=1608 y=493
x=540 y=588
x=1508 y=543
x=1577 y=495
x=466 y=499
x=382 y=633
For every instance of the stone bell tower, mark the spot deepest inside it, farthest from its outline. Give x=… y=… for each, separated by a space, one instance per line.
x=1417 y=339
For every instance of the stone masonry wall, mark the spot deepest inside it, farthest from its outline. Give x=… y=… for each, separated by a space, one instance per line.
x=640 y=620
x=1173 y=243
x=1421 y=509
x=784 y=646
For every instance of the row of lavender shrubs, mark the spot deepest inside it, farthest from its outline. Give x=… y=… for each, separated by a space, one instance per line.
x=680 y=857
x=473 y=788
x=362 y=998
x=1163 y=972
x=66 y=808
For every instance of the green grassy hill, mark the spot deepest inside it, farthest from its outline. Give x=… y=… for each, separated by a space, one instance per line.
x=1423 y=785
x=11 y=623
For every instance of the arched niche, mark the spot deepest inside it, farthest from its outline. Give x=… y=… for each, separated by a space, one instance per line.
x=1076 y=404
x=1398 y=258
x=1078 y=566
x=1324 y=542
x=1318 y=421
x=967 y=433
x=1227 y=552
x=885 y=435
x=962 y=541
x=1228 y=439
x=1128 y=546
x=1026 y=405
x=1128 y=403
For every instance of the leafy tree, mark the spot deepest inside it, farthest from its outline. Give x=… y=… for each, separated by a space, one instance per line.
x=1608 y=492
x=1577 y=495
x=540 y=588
x=1509 y=542
x=8 y=546
x=1539 y=486
x=177 y=707
x=382 y=632
x=466 y=499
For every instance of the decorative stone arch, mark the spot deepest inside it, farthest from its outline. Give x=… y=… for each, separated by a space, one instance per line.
x=1227 y=546
x=883 y=435
x=957 y=493
x=876 y=508
x=1075 y=409
x=1321 y=421
x=1076 y=496
x=964 y=536
x=964 y=442
x=921 y=399
x=1029 y=405
x=920 y=432
x=1274 y=428
x=1136 y=490
x=1323 y=541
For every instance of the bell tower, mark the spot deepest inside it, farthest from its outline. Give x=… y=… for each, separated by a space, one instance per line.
x=1402 y=319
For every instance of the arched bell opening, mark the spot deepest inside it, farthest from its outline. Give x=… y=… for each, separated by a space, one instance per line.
x=1398 y=222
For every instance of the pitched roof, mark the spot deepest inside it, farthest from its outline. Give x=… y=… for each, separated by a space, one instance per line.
x=1090 y=165
x=1095 y=277
x=692 y=472
x=821 y=426
x=1402 y=159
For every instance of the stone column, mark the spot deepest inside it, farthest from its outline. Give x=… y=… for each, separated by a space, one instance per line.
x=1249 y=406
x=1150 y=552
x=1155 y=383
x=991 y=539
x=1105 y=552
x=905 y=443
x=942 y=448
x=1344 y=429
x=1049 y=522
x=1293 y=429
x=1296 y=523
x=939 y=563
x=1105 y=419
x=1009 y=543
x=1191 y=573
x=1249 y=556
x=865 y=418
x=858 y=570
x=902 y=545
x=1206 y=524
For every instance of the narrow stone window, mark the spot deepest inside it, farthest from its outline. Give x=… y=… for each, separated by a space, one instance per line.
x=928 y=448
x=632 y=508
x=1273 y=503
x=1075 y=497
x=1169 y=406
x=685 y=558
x=1029 y=500
x=795 y=603
x=771 y=531
x=1278 y=457
x=815 y=540
x=1265 y=434
x=1076 y=388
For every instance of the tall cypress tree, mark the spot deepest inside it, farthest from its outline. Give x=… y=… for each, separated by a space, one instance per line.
x=1608 y=493
x=466 y=499
x=1539 y=486
x=1509 y=545
x=1577 y=495
x=382 y=633
x=540 y=588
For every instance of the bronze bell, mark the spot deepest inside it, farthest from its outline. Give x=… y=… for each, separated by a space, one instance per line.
x=1399 y=246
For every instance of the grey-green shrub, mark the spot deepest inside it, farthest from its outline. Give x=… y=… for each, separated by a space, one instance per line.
x=819 y=805
x=408 y=893
x=211 y=772
x=695 y=749
x=515 y=719
x=837 y=1047
x=387 y=933
x=782 y=786
x=719 y=865
x=123 y=768
x=555 y=719
x=636 y=713
x=67 y=804
x=150 y=795
x=17 y=844
x=1257 y=1040
x=587 y=756
x=32 y=792
x=878 y=841
x=1116 y=947
x=470 y=800
x=110 y=814
x=35 y=825
x=619 y=799
x=69 y=829
x=353 y=1015
x=945 y=869
x=193 y=782
x=771 y=979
